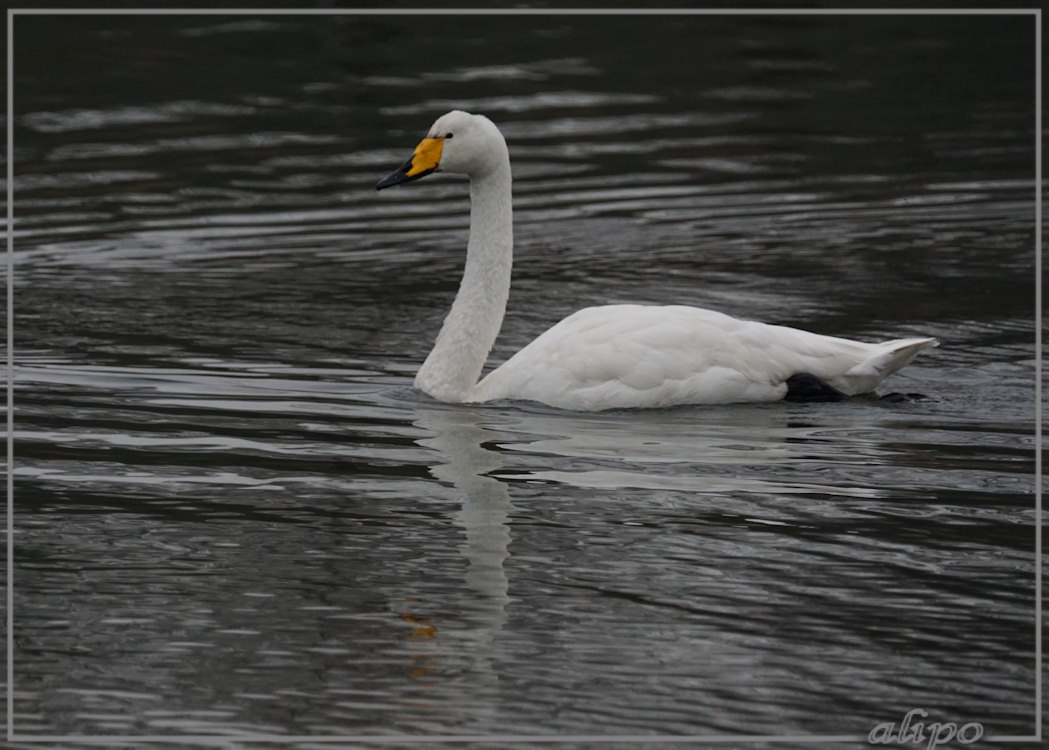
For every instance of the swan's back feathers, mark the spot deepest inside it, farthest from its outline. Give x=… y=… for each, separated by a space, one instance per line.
x=620 y=356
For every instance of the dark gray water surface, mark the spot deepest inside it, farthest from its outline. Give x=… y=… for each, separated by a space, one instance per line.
x=234 y=515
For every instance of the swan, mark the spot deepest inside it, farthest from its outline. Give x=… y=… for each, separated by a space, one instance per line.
x=613 y=356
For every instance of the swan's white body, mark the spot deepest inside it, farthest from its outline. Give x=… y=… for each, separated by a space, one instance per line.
x=616 y=356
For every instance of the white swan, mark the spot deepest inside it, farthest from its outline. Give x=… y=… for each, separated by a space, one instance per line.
x=614 y=356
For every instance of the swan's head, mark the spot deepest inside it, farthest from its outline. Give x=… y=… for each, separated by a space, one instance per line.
x=458 y=142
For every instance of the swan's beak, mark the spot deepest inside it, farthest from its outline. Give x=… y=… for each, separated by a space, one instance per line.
x=426 y=158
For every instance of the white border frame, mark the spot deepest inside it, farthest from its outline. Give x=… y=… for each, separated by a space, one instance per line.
x=1036 y=13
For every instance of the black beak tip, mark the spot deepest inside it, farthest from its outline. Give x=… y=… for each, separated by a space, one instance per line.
x=390 y=180
x=401 y=176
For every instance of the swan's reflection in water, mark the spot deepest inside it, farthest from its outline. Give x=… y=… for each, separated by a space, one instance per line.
x=456 y=650
x=460 y=439
x=680 y=488
x=729 y=452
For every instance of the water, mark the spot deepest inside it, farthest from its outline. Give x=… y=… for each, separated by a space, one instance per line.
x=234 y=516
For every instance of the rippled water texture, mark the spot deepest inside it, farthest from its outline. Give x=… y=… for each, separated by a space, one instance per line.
x=235 y=516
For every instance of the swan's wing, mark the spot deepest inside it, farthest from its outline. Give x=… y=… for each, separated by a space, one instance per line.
x=635 y=355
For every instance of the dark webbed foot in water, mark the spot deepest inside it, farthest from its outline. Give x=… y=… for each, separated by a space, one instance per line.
x=807 y=387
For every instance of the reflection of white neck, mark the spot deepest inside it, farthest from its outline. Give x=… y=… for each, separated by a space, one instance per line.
x=486 y=508
x=454 y=365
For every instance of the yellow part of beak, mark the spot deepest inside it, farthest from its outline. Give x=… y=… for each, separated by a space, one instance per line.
x=426 y=157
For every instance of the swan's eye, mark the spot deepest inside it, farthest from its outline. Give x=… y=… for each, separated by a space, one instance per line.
x=449 y=136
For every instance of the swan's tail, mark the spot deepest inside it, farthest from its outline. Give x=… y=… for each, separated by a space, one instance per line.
x=886 y=359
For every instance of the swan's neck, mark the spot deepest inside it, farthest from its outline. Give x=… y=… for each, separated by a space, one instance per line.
x=451 y=371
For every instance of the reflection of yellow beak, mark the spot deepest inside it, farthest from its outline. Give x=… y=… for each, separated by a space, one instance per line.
x=426 y=158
